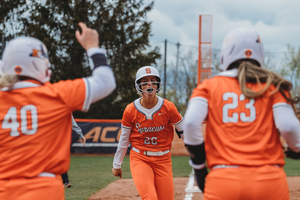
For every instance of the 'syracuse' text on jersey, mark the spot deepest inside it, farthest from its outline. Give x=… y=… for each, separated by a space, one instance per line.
x=151 y=129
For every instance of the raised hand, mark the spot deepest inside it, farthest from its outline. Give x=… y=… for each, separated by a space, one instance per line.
x=88 y=38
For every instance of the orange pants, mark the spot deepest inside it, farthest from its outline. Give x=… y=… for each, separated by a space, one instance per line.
x=152 y=176
x=46 y=188
x=246 y=183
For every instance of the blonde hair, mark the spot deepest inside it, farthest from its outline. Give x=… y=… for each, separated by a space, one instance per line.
x=249 y=72
x=8 y=80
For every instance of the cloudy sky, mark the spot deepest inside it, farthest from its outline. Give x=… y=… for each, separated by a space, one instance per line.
x=277 y=22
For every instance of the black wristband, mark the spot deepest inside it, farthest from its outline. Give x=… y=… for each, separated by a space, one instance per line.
x=197 y=153
x=99 y=59
x=179 y=133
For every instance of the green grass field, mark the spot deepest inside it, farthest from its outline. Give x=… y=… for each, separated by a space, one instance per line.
x=88 y=174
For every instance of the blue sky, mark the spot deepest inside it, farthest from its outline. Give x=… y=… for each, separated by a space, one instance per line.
x=277 y=22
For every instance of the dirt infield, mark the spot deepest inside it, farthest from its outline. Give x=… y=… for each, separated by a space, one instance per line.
x=124 y=189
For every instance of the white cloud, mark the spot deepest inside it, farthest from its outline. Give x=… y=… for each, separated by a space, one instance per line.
x=277 y=22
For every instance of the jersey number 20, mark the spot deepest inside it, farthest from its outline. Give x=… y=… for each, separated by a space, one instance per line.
x=10 y=120
x=235 y=116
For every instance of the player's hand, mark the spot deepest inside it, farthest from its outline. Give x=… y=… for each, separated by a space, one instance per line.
x=88 y=38
x=289 y=153
x=82 y=140
x=200 y=175
x=182 y=137
x=117 y=172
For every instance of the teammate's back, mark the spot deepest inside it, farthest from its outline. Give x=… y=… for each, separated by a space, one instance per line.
x=35 y=115
x=35 y=124
x=240 y=131
x=246 y=107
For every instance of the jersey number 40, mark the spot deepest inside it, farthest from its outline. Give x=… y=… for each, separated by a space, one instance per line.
x=10 y=120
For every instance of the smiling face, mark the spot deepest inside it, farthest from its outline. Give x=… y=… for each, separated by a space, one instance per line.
x=149 y=85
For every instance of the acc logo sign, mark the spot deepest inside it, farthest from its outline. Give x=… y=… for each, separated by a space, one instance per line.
x=148 y=70
x=248 y=53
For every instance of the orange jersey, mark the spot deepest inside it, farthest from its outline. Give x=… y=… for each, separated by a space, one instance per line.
x=239 y=131
x=151 y=129
x=35 y=133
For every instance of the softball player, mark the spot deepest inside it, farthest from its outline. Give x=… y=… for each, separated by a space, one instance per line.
x=77 y=129
x=148 y=124
x=35 y=116
x=245 y=107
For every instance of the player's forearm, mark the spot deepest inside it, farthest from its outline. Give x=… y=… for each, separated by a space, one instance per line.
x=287 y=124
x=102 y=82
x=122 y=147
x=193 y=119
x=118 y=158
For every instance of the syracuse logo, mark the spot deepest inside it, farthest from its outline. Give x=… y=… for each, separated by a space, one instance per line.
x=248 y=53
x=18 y=69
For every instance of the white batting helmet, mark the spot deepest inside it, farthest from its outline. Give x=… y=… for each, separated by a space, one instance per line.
x=146 y=71
x=239 y=44
x=27 y=56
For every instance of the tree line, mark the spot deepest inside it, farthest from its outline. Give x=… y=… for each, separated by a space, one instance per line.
x=124 y=32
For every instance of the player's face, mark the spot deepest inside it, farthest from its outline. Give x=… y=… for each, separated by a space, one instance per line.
x=149 y=84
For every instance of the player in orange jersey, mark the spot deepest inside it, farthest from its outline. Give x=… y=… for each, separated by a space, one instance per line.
x=147 y=124
x=246 y=107
x=35 y=116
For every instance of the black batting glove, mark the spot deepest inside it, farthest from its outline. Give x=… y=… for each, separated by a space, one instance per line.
x=289 y=153
x=200 y=175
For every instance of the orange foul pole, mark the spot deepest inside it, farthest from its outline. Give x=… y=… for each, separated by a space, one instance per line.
x=205 y=38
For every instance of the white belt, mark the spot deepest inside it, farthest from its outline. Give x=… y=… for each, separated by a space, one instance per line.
x=225 y=166
x=46 y=174
x=152 y=153
x=234 y=166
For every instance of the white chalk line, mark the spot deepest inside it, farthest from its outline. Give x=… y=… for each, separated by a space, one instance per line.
x=190 y=188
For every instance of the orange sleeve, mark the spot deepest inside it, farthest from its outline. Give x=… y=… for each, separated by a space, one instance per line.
x=201 y=90
x=126 y=119
x=279 y=98
x=175 y=116
x=72 y=93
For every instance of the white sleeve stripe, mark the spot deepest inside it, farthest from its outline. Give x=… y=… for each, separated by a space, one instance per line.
x=125 y=127
x=179 y=121
x=277 y=105
x=87 y=101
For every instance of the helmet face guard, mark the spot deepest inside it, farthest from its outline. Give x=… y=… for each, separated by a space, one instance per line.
x=150 y=89
x=147 y=71
x=241 y=44
x=27 y=57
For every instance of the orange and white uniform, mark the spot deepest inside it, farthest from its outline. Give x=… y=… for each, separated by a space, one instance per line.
x=150 y=132
x=242 y=142
x=35 y=132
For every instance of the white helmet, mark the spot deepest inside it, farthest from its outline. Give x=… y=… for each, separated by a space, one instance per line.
x=27 y=56
x=146 y=71
x=239 y=44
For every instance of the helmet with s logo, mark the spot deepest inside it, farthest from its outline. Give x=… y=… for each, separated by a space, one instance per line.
x=143 y=72
x=28 y=57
